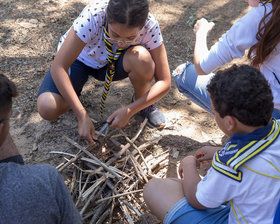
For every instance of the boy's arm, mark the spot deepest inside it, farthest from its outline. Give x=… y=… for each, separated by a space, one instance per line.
x=188 y=168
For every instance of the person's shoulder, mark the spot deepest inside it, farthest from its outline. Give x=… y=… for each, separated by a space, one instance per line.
x=96 y=6
x=259 y=11
x=151 y=19
x=44 y=168
x=249 y=22
x=94 y=13
x=43 y=171
x=29 y=173
x=151 y=22
x=94 y=10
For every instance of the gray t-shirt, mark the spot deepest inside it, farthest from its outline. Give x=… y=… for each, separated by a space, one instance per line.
x=34 y=194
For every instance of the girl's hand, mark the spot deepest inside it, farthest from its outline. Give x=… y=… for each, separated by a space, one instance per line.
x=119 y=118
x=205 y=153
x=203 y=26
x=86 y=128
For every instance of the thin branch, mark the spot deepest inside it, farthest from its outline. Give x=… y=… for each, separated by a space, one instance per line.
x=118 y=195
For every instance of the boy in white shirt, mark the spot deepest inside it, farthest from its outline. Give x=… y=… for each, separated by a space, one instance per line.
x=242 y=186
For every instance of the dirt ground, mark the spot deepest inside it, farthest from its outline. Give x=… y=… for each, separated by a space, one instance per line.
x=29 y=33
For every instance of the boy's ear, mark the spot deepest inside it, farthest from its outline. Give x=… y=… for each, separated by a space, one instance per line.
x=230 y=123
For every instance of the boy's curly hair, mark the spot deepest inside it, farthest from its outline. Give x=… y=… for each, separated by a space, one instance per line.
x=242 y=92
x=8 y=90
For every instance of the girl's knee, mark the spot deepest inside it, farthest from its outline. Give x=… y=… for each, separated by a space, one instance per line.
x=48 y=107
x=139 y=60
x=150 y=189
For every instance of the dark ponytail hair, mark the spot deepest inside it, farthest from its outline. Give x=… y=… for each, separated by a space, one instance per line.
x=132 y=13
x=268 y=35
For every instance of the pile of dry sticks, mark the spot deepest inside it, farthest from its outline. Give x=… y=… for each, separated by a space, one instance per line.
x=106 y=181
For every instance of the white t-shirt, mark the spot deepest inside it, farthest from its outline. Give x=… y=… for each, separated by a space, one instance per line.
x=89 y=28
x=241 y=36
x=255 y=198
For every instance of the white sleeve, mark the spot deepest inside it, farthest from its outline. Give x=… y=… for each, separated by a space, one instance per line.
x=241 y=36
x=215 y=189
x=151 y=36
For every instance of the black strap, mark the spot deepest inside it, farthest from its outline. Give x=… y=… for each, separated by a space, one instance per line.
x=276 y=78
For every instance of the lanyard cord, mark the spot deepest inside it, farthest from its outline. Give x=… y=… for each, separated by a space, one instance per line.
x=276 y=78
x=110 y=71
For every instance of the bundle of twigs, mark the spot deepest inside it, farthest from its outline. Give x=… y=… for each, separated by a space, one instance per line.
x=108 y=188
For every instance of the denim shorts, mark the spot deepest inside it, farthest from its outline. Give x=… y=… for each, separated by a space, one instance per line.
x=182 y=212
x=79 y=73
x=194 y=86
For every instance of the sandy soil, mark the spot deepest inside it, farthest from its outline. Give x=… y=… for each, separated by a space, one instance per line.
x=29 y=32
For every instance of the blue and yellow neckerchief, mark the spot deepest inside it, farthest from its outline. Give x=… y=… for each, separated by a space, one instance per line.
x=241 y=148
x=112 y=58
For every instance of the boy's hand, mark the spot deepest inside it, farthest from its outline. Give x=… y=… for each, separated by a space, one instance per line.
x=187 y=160
x=203 y=26
x=205 y=153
